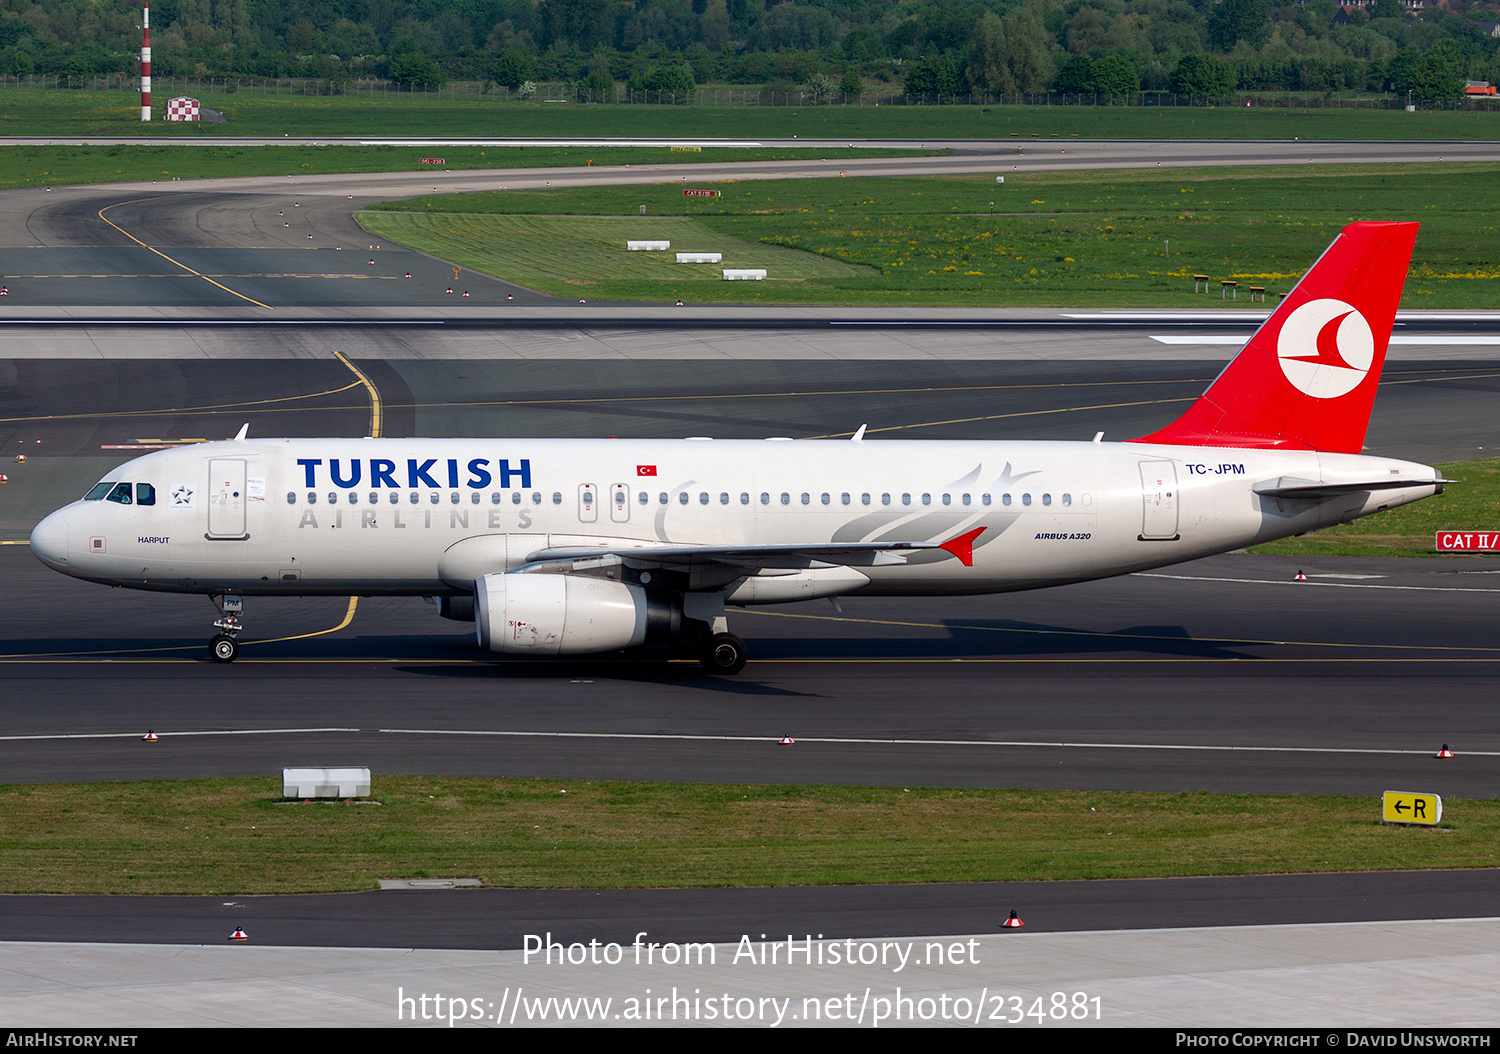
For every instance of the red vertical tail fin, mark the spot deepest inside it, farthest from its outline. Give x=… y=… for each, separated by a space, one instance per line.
x=1307 y=378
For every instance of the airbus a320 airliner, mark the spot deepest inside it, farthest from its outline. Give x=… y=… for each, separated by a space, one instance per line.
x=575 y=547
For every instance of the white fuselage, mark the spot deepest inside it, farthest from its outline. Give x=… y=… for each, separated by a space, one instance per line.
x=377 y=516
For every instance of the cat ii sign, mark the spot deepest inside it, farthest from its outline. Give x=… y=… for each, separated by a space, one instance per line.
x=1468 y=541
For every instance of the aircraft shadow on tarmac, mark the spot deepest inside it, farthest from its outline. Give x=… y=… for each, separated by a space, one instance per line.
x=447 y=656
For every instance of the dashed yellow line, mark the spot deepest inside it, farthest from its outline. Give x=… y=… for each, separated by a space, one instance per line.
x=169 y=260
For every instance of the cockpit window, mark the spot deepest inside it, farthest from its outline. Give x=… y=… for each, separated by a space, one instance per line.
x=120 y=494
x=145 y=494
x=97 y=492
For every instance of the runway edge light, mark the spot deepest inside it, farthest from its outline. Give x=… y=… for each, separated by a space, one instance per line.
x=1411 y=807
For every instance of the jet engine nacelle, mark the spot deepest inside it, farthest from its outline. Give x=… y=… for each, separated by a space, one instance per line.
x=547 y=614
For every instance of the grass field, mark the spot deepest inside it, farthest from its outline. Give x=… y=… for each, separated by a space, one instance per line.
x=35 y=166
x=29 y=111
x=236 y=836
x=1471 y=504
x=1055 y=239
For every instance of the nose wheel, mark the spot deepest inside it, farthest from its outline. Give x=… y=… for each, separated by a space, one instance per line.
x=726 y=654
x=225 y=646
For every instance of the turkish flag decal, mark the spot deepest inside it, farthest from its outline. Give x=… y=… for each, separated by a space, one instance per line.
x=645 y=470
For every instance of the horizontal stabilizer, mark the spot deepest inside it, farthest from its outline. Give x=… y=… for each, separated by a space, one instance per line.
x=1286 y=487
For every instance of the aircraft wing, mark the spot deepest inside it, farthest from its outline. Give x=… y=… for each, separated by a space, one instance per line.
x=752 y=558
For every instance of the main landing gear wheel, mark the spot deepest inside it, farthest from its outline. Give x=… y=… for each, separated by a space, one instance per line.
x=726 y=654
x=224 y=648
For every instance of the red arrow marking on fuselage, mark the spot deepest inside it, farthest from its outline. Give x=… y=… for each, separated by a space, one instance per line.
x=963 y=546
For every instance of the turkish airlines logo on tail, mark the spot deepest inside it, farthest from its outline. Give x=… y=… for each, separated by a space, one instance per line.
x=1325 y=348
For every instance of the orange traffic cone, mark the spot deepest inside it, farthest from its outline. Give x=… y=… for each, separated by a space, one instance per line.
x=1445 y=752
x=1013 y=923
x=149 y=737
x=1300 y=577
x=239 y=934
x=787 y=741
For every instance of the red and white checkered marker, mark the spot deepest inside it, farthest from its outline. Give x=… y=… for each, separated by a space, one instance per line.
x=1445 y=752
x=787 y=741
x=1013 y=923
x=182 y=109
x=149 y=737
x=239 y=934
x=1300 y=577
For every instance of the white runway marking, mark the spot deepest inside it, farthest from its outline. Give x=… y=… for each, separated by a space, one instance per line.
x=771 y=740
x=1329 y=585
x=1416 y=341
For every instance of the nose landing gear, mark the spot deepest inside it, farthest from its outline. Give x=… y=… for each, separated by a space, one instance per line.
x=225 y=646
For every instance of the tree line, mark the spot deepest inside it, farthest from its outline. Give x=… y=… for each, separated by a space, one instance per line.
x=1088 y=47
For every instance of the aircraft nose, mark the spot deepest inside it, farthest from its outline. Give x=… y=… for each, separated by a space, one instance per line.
x=49 y=541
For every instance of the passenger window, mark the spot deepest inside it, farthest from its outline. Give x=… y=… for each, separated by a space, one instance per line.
x=864 y=499
x=744 y=498
x=662 y=498
x=1046 y=499
x=703 y=497
x=987 y=499
x=291 y=497
x=494 y=497
x=806 y=498
x=682 y=498
x=557 y=497
x=473 y=497
x=145 y=494
x=906 y=499
x=724 y=498
x=844 y=498
x=1067 y=499
x=926 y=499
x=395 y=498
x=947 y=499
x=375 y=498
x=643 y=498
x=786 y=499
x=765 y=499
x=1026 y=498
x=354 y=498
x=536 y=497
x=415 y=497
x=434 y=497
x=826 y=499
x=121 y=494
x=885 y=499
x=97 y=492
x=312 y=499
x=515 y=497
x=966 y=499
x=1005 y=499
x=333 y=499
